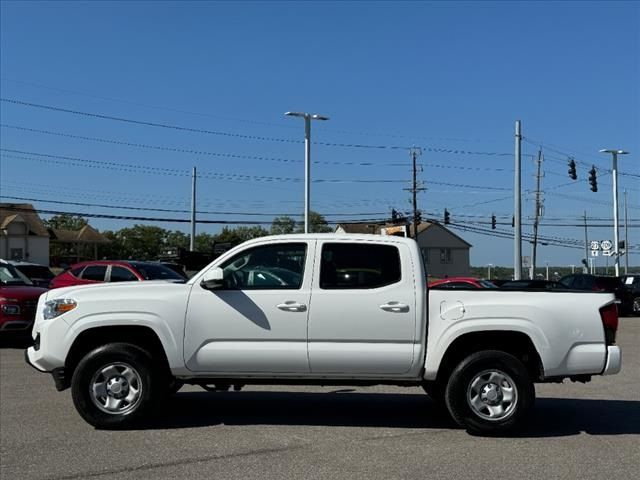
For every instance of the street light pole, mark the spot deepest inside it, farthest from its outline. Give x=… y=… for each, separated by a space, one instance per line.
x=307 y=160
x=614 y=175
x=489 y=271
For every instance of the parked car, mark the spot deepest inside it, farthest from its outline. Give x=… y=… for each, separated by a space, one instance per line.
x=599 y=283
x=40 y=275
x=631 y=294
x=461 y=283
x=18 y=300
x=532 y=285
x=176 y=267
x=121 y=348
x=87 y=273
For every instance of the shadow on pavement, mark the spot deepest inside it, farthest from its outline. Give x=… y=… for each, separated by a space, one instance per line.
x=16 y=341
x=552 y=417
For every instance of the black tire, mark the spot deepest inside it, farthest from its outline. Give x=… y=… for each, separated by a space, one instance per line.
x=141 y=376
x=504 y=384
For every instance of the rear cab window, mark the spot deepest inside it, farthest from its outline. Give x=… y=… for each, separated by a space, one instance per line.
x=359 y=266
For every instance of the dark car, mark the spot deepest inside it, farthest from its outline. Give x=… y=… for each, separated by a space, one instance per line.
x=99 y=271
x=599 y=283
x=631 y=293
x=532 y=285
x=40 y=275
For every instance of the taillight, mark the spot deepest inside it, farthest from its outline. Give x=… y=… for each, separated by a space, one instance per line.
x=609 y=317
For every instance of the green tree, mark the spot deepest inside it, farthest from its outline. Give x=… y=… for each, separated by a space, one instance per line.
x=317 y=224
x=283 y=225
x=141 y=242
x=204 y=242
x=240 y=234
x=66 y=222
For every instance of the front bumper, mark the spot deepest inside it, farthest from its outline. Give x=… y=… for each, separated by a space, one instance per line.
x=59 y=374
x=614 y=360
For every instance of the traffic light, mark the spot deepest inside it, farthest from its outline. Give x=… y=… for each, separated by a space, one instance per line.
x=621 y=246
x=418 y=217
x=572 y=170
x=592 y=179
x=446 y=217
x=493 y=222
x=513 y=221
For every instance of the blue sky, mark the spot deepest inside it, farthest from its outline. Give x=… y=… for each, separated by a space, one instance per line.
x=450 y=77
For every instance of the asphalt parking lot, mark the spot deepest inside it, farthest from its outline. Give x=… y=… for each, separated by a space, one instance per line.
x=577 y=431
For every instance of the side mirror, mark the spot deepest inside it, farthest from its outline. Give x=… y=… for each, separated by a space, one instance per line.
x=213 y=279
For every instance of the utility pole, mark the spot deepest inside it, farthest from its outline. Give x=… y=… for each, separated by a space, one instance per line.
x=538 y=214
x=415 y=152
x=517 y=235
x=626 y=235
x=192 y=240
x=586 y=242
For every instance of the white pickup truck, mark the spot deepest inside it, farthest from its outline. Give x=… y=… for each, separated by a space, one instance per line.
x=319 y=309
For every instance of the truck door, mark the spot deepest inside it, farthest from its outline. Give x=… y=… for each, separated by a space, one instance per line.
x=256 y=323
x=363 y=309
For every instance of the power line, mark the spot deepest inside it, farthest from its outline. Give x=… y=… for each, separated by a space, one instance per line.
x=234 y=155
x=166 y=210
x=148 y=123
x=60 y=159
x=154 y=219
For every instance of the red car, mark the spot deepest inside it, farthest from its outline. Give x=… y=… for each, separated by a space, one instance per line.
x=460 y=283
x=18 y=300
x=87 y=273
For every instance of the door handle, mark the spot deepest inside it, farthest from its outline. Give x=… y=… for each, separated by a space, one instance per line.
x=395 y=307
x=291 y=306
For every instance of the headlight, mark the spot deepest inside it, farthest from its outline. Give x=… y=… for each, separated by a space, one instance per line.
x=55 y=308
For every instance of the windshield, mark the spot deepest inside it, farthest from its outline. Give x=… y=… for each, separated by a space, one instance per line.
x=486 y=284
x=36 y=271
x=150 y=271
x=10 y=276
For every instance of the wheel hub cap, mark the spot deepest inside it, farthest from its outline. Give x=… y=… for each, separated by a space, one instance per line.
x=492 y=395
x=116 y=388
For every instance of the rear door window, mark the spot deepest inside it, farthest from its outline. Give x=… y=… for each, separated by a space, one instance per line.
x=359 y=266
x=122 y=274
x=94 y=272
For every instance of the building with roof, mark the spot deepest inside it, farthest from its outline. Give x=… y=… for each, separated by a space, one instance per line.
x=23 y=236
x=445 y=254
x=76 y=245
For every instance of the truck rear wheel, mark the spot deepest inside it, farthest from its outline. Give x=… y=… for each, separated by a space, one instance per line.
x=115 y=385
x=489 y=392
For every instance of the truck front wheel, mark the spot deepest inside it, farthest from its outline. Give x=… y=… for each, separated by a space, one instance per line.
x=115 y=385
x=489 y=392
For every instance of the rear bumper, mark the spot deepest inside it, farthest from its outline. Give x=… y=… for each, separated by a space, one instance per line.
x=614 y=360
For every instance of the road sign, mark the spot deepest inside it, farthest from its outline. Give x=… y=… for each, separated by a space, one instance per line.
x=594 y=244
x=594 y=253
x=608 y=253
x=606 y=244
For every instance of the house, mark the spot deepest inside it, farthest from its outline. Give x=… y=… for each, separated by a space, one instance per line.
x=445 y=254
x=23 y=236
